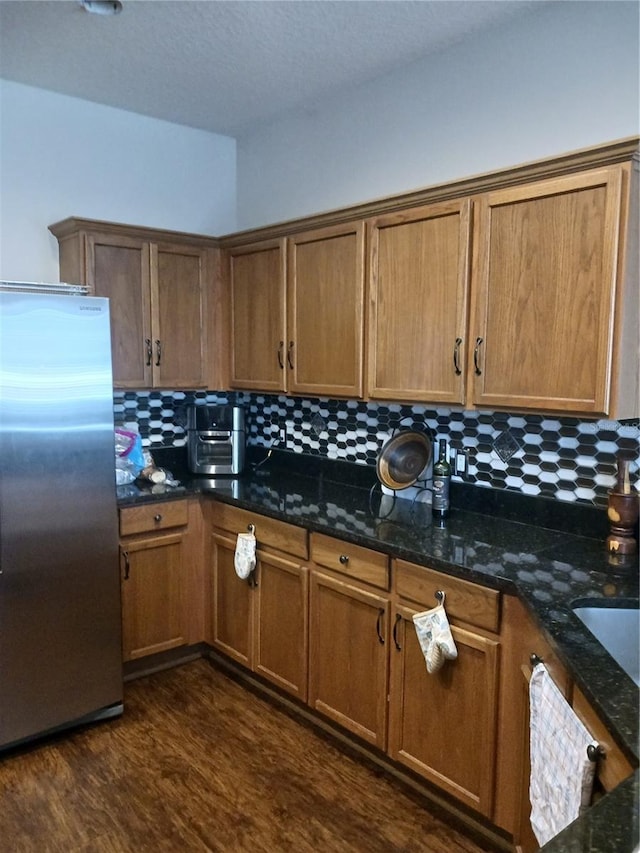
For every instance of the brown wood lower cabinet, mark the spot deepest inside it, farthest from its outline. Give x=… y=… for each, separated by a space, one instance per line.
x=231 y=627
x=260 y=622
x=161 y=577
x=463 y=729
x=281 y=631
x=152 y=595
x=443 y=725
x=348 y=664
x=524 y=638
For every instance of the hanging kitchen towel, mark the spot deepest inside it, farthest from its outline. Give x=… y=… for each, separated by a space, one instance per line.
x=434 y=635
x=561 y=773
x=244 y=559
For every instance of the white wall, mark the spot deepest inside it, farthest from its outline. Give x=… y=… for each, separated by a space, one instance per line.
x=561 y=77
x=61 y=156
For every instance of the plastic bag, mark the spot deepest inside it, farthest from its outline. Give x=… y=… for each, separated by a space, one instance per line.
x=155 y=475
x=129 y=455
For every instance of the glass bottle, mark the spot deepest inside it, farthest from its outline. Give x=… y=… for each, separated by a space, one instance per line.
x=441 y=481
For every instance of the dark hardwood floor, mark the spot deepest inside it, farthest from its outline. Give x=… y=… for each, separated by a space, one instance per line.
x=200 y=763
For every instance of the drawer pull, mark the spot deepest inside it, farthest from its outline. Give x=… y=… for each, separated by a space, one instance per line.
x=344 y=559
x=157 y=518
x=378 y=624
x=251 y=527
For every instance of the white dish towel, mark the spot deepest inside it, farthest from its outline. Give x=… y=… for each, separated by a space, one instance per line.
x=561 y=773
x=434 y=636
x=244 y=560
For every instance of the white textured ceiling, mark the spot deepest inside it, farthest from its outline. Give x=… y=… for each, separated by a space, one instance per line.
x=227 y=66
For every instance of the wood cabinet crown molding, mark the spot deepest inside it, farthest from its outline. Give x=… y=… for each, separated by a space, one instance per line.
x=73 y=224
x=606 y=154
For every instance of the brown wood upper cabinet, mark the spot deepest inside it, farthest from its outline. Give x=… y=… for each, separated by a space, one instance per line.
x=325 y=311
x=418 y=292
x=550 y=329
x=297 y=313
x=257 y=288
x=157 y=284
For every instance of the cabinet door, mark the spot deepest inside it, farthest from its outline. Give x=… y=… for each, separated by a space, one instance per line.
x=118 y=268
x=231 y=629
x=178 y=286
x=348 y=675
x=418 y=285
x=256 y=277
x=281 y=624
x=325 y=311
x=545 y=266
x=152 y=595
x=443 y=725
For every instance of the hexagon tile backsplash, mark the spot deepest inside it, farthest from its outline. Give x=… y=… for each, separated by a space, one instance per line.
x=555 y=457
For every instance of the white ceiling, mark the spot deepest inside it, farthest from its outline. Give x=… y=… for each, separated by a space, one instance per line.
x=225 y=66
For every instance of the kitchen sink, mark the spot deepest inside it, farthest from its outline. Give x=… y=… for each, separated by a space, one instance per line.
x=617 y=628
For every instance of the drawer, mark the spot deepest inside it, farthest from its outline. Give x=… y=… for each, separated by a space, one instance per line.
x=269 y=532
x=613 y=767
x=148 y=518
x=351 y=560
x=466 y=601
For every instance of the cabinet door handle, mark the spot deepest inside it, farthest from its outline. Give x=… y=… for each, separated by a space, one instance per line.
x=280 y=353
x=290 y=355
x=378 y=626
x=395 y=632
x=158 y=353
x=476 y=353
x=147 y=342
x=127 y=565
x=456 y=356
x=344 y=559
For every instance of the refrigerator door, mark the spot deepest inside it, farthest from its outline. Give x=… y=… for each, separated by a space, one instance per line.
x=60 y=628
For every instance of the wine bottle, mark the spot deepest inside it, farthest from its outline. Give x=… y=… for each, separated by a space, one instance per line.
x=441 y=481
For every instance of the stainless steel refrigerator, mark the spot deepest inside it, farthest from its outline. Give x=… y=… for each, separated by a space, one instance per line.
x=60 y=627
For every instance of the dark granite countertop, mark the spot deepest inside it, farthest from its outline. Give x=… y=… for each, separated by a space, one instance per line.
x=550 y=556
